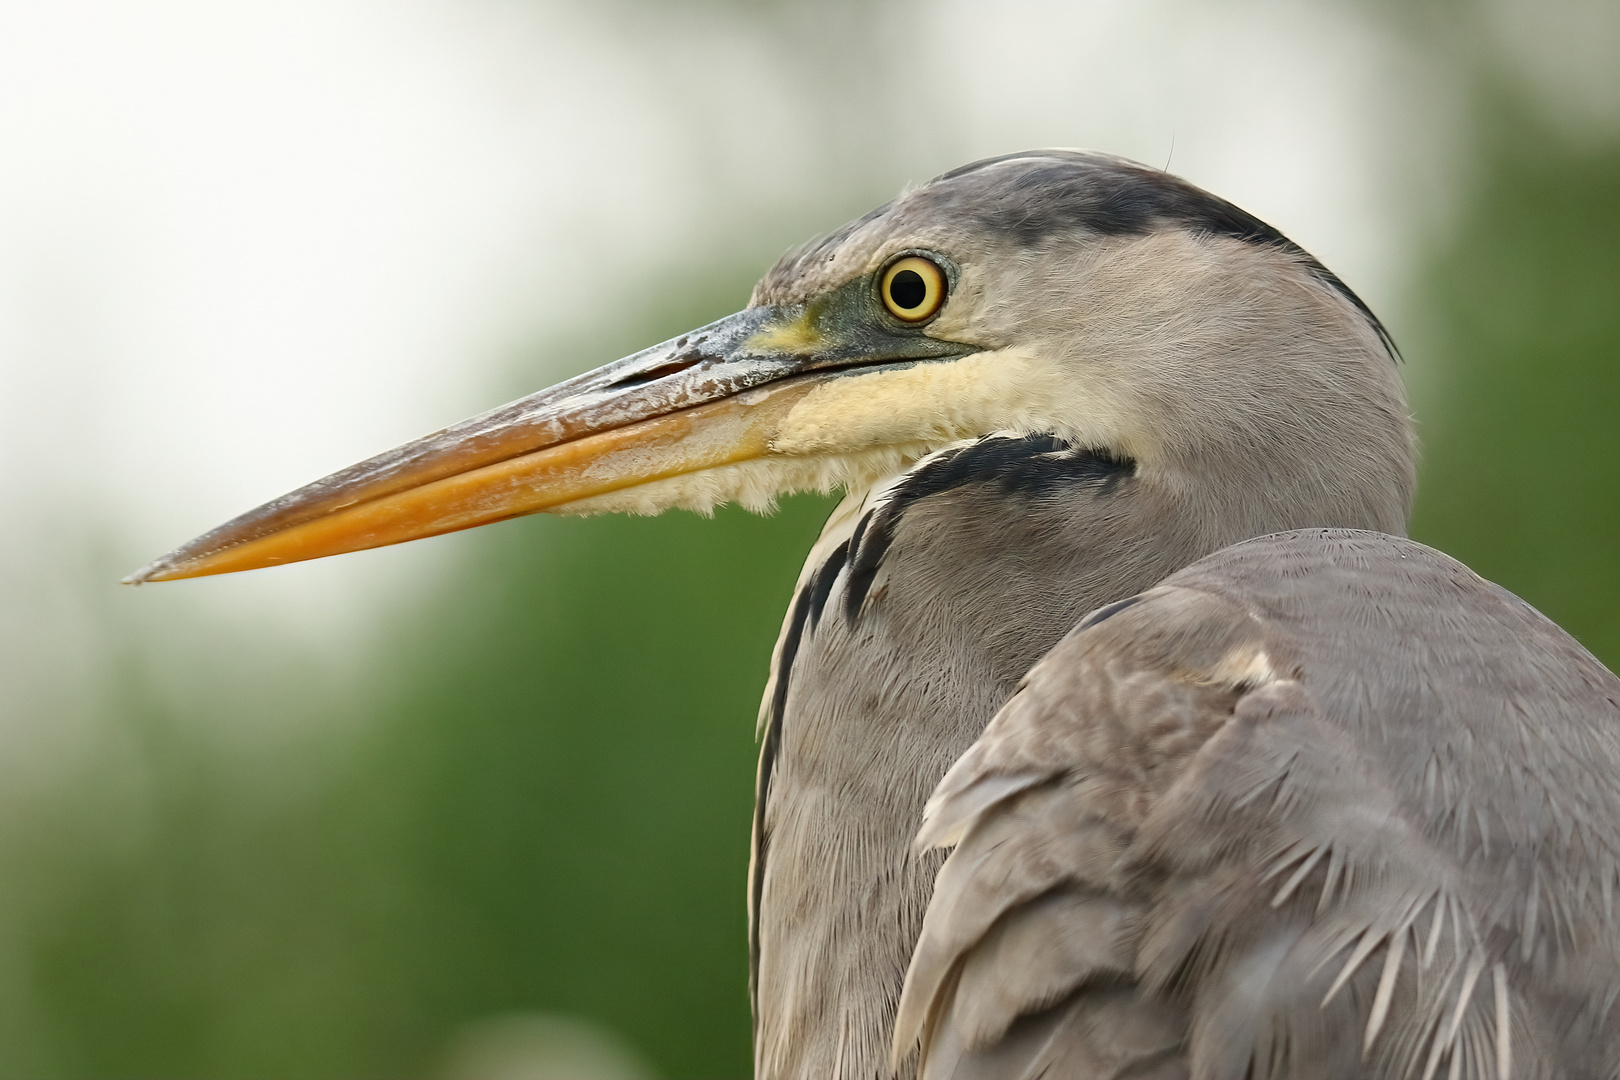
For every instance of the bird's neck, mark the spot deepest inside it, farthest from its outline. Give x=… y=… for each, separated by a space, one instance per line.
x=919 y=610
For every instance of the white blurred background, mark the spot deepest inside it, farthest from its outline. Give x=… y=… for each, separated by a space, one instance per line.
x=243 y=244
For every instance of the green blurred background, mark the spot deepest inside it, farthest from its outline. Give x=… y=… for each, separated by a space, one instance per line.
x=250 y=830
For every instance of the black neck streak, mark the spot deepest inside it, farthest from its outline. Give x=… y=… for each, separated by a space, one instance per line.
x=1030 y=467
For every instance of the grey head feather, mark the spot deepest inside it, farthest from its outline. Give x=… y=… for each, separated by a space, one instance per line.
x=1035 y=195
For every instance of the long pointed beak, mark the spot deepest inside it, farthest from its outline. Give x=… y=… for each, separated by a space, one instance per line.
x=712 y=397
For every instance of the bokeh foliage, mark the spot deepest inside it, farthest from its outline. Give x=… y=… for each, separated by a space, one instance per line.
x=1521 y=425
x=547 y=808
x=573 y=772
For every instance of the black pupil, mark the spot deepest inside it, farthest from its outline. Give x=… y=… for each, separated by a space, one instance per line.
x=907 y=289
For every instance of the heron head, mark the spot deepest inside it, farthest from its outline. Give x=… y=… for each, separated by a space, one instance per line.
x=1059 y=292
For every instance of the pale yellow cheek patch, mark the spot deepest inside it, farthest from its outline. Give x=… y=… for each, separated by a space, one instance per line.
x=754 y=485
x=854 y=431
x=939 y=402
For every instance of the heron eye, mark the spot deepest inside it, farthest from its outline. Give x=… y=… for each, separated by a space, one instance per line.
x=913 y=289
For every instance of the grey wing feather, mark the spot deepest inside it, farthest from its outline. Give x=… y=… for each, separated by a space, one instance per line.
x=1015 y=857
x=1325 y=804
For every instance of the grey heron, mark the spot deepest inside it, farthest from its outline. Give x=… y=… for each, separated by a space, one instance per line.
x=1266 y=789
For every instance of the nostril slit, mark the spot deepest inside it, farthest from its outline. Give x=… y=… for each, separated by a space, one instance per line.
x=669 y=367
